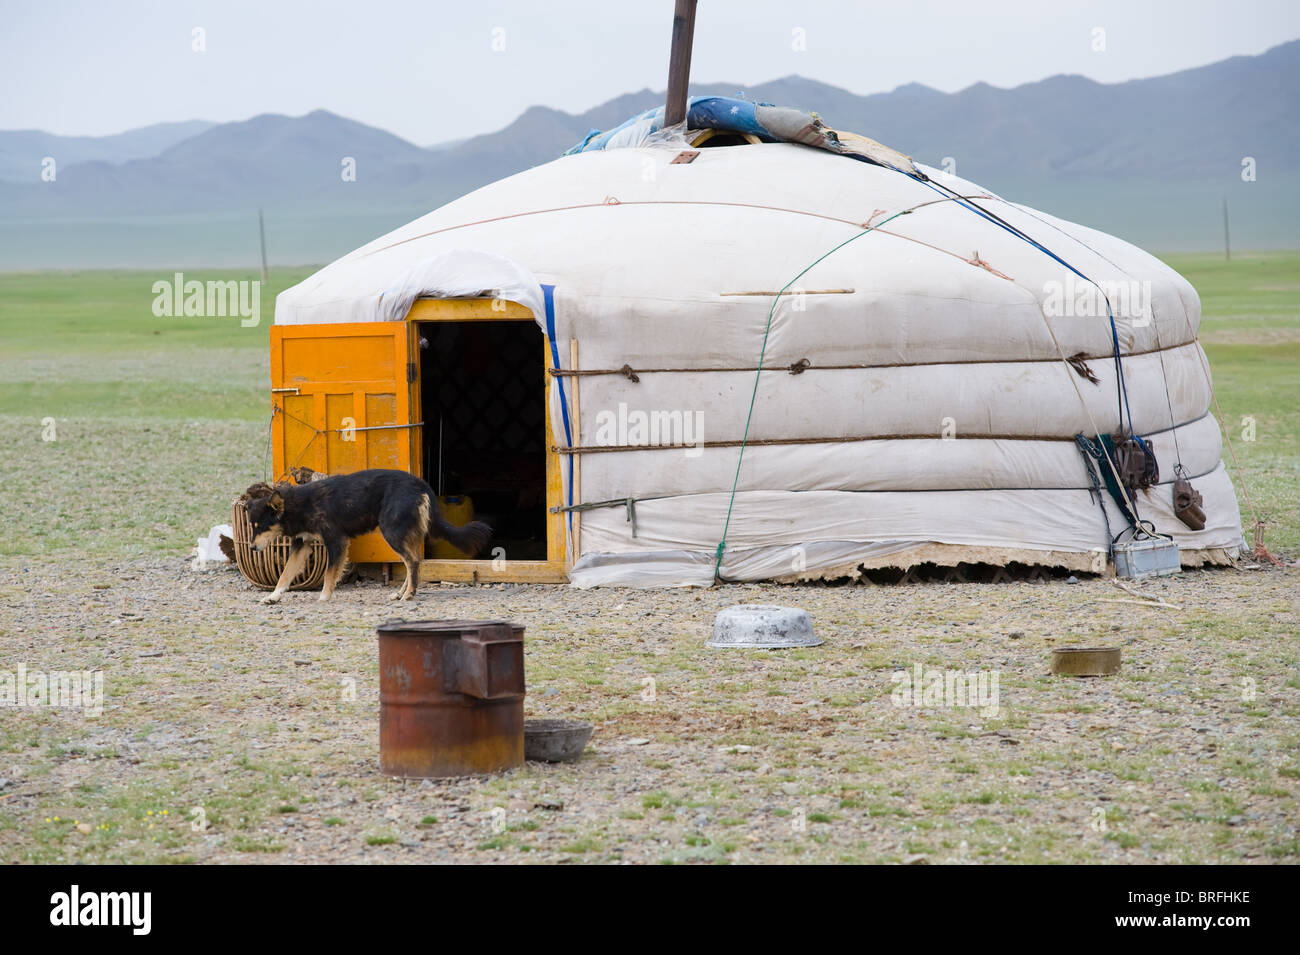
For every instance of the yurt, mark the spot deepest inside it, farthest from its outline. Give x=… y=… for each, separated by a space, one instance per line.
x=752 y=347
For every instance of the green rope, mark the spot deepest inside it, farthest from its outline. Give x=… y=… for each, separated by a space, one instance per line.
x=722 y=544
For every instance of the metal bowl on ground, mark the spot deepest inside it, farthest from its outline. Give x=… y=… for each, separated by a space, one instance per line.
x=555 y=741
x=1077 y=661
x=763 y=627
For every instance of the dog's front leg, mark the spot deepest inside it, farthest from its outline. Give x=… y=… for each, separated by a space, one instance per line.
x=292 y=568
x=335 y=566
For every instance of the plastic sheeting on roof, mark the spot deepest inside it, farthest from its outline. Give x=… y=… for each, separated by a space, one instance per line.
x=456 y=273
x=771 y=124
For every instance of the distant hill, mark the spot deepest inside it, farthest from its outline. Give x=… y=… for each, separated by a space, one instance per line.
x=1118 y=156
x=21 y=151
x=270 y=159
x=1193 y=124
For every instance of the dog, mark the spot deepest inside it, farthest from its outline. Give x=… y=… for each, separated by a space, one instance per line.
x=333 y=510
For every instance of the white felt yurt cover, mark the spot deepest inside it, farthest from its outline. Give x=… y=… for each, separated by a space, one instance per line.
x=914 y=399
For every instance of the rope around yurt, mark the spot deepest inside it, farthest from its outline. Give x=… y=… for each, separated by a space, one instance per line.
x=1120 y=386
x=771 y=312
x=1260 y=551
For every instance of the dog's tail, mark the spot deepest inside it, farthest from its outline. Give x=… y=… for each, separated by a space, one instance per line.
x=472 y=538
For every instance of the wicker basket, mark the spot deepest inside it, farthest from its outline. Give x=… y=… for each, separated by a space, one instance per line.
x=263 y=568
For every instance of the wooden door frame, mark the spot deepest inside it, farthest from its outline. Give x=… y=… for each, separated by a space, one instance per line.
x=553 y=570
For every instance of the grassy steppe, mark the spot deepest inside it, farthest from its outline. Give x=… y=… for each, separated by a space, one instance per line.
x=158 y=420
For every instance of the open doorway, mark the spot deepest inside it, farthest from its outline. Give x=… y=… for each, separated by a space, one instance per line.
x=482 y=394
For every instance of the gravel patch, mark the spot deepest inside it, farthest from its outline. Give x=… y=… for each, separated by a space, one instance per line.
x=236 y=732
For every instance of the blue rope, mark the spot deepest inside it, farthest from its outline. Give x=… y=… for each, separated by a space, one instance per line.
x=548 y=295
x=1121 y=387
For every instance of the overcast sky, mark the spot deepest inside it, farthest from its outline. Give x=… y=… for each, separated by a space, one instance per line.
x=431 y=70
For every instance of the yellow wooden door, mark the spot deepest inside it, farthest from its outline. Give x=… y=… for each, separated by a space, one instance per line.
x=345 y=397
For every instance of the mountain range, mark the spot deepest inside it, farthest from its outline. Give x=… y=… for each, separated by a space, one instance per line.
x=1196 y=125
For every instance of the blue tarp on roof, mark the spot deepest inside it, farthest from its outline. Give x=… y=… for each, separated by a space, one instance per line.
x=702 y=112
x=769 y=123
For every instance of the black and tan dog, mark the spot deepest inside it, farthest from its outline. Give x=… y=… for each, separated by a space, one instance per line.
x=336 y=509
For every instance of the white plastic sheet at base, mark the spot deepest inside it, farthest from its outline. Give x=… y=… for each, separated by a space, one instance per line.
x=781 y=533
x=1067 y=520
x=650 y=569
x=647 y=569
x=1064 y=522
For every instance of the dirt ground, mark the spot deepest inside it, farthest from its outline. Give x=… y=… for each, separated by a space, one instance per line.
x=227 y=733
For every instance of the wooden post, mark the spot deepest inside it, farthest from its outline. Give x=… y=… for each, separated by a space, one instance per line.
x=1227 y=247
x=577 y=458
x=261 y=231
x=679 y=62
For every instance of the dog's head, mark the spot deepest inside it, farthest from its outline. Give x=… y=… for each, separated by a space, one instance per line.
x=265 y=513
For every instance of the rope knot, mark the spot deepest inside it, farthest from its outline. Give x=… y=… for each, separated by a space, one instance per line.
x=1078 y=362
x=976 y=261
x=627 y=372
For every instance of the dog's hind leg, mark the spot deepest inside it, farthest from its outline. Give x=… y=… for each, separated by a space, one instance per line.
x=336 y=563
x=412 y=560
x=292 y=568
x=405 y=532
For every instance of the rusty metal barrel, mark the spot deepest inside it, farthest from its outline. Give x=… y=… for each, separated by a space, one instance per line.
x=451 y=697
